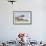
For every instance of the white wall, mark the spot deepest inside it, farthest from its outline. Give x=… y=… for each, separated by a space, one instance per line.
x=8 y=30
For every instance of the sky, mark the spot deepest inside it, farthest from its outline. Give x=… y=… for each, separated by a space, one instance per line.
x=26 y=14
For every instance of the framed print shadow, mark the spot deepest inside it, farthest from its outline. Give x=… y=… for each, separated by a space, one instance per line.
x=22 y=17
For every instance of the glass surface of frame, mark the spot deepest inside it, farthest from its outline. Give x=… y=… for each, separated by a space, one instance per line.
x=22 y=17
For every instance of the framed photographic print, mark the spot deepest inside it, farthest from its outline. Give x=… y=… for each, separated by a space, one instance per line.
x=22 y=17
